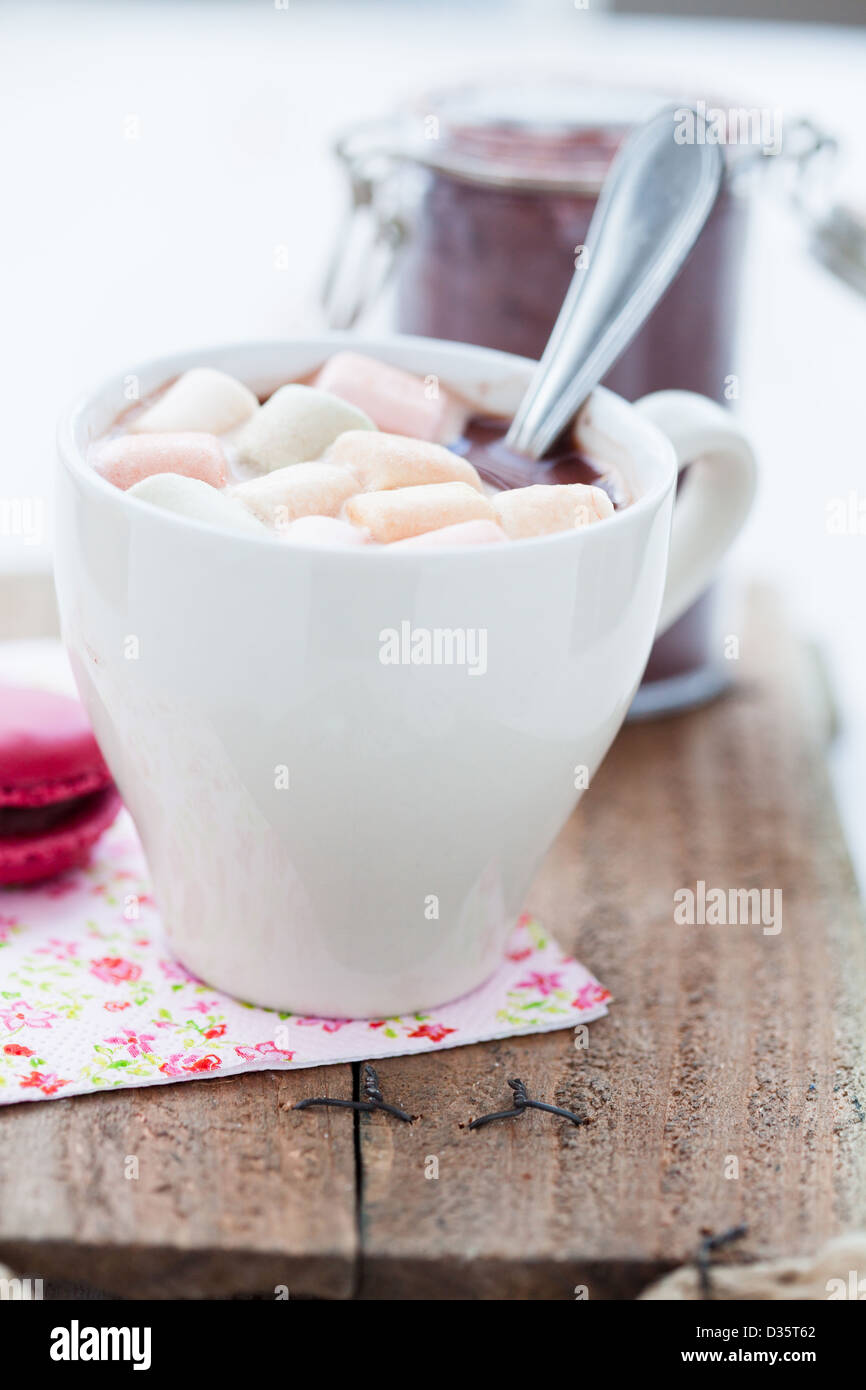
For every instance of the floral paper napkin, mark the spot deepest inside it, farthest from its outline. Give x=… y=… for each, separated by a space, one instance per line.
x=91 y=998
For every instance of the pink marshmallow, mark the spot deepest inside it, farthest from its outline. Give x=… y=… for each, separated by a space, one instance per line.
x=463 y=533
x=543 y=508
x=396 y=401
x=382 y=462
x=132 y=457
x=324 y=530
x=408 y=511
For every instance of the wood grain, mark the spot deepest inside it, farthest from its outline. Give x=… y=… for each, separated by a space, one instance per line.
x=235 y=1194
x=726 y=1050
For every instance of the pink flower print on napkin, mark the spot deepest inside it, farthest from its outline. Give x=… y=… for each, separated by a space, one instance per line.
x=59 y=950
x=173 y=970
x=544 y=982
x=210 y=1062
x=6 y=925
x=180 y=1062
x=434 y=1032
x=137 y=1043
x=170 y=1066
x=114 y=970
x=23 y=1015
x=589 y=994
x=263 y=1049
x=328 y=1025
x=17 y=1050
x=45 y=1081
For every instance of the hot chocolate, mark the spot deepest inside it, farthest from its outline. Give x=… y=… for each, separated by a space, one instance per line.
x=313 y=463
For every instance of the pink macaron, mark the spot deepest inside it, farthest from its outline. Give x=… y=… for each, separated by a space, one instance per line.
x=56 y=793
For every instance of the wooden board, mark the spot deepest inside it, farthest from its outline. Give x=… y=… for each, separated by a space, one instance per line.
x=722 y=1044
x=234 y=1195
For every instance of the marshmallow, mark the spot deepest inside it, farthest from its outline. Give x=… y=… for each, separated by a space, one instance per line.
x=126 y=460
x=324 y=530
x=192 y=498
x=296 y=424
x=544 y=508
x=464 y=533
x=201 y=399
x=384 y=461
x=394 y=399
x=303 y=489
x=409 y=511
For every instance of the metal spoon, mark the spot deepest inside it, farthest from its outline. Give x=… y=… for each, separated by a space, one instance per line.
x=653 y=205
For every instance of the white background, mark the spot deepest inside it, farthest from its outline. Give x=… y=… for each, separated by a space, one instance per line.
x=113 y=249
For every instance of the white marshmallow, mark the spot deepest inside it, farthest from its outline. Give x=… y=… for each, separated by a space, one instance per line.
x=543 y=508
x=202 y=399
x=296 y=424
x=197 y=500
x=385 y=461
x=302 y=489
x=324 y=530
x=410 y=511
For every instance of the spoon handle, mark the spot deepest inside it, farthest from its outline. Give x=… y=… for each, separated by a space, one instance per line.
x=654 y=203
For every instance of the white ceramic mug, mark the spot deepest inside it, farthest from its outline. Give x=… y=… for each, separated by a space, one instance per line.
x=329 y=833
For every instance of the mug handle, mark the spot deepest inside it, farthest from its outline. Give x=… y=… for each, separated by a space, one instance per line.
x=715 y=498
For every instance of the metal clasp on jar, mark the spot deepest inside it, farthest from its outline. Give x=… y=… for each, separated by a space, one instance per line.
x=373 y=229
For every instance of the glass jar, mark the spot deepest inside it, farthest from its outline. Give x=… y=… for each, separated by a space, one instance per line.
x=477 y=205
